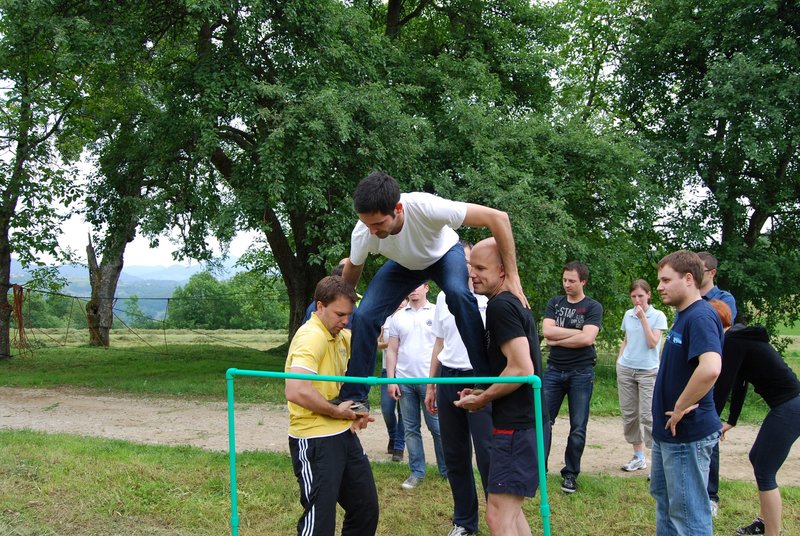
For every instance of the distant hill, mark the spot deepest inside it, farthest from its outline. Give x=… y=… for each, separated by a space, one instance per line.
x=152 y=284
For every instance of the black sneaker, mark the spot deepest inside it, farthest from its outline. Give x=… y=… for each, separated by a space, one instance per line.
x=360 y=407
x=390 y=447
x=756 y=527
x=569 y=484
x=397 y=456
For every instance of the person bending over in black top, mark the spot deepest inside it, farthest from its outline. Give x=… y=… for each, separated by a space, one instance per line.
x=748 y=358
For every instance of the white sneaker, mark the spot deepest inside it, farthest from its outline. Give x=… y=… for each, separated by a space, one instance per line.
x=635 y=464
x=458 y=530
x=714 y=508
x=411 y=482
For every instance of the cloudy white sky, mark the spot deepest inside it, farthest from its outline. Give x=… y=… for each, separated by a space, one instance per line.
x=138 y=253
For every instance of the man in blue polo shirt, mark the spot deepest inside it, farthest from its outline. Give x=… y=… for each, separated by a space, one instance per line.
x=685 y=422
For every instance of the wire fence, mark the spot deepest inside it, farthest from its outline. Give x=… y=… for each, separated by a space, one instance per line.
x=42 y=319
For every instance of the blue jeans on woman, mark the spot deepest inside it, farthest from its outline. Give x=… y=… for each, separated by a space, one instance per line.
x=412 y=398
x=577 y=385
x=390 y=285
x=678 y=481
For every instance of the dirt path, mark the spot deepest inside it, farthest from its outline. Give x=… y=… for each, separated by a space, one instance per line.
x=261 y=427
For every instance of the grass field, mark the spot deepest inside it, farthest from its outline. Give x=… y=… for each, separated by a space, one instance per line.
x=61 y=484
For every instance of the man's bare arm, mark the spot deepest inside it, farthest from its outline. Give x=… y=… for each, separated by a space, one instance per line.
x=581 y=338
x=518 y=363
x=391 y=366
x=552 y=332
x=430 y=390
x=499 y=224
x=700 y=383
x=352 y=272
x=302 y=393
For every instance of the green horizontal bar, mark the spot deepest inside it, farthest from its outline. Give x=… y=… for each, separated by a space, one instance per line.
x=535 y=381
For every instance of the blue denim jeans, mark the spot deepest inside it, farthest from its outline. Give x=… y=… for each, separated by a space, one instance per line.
x=577 y=386
x=678 y=481
x=412 y=398
x=392 y=416
x=390 y=285
x=713 y=475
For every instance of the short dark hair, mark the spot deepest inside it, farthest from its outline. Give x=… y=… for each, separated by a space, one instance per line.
x=685 y=262
x=338 y=269
x=642 y=284
x=582 y=269
x=709 y=260
x=331 y=287
x=377 y=192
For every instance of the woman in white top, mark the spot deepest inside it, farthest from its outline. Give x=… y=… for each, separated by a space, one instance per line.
x=637 y=368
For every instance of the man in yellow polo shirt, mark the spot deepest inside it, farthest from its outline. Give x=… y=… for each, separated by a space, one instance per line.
x=328 y=459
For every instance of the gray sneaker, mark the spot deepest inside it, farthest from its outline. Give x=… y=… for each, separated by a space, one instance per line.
x=569 y=484
x=635 y=464
x=412 y=482
x=458 y=530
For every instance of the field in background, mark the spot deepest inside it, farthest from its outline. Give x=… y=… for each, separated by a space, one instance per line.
x=256 y=339
x=185 y=362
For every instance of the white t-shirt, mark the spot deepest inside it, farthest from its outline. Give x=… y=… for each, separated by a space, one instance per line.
x=428 y=233
x=637 y=354
x=385 y=339
x=454 y=353
x=413 y=329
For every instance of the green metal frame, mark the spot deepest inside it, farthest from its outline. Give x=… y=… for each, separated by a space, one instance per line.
x=535 y=381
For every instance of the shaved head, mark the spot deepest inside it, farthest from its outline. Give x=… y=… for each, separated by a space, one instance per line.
x=486 y=268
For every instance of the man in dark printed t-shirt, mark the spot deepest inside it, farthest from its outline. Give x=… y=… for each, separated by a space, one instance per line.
x=571 y=324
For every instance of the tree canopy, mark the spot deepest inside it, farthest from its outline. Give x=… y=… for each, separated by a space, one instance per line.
x=611 y=132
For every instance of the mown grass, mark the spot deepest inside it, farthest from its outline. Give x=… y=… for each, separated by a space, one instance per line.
x=63 y=484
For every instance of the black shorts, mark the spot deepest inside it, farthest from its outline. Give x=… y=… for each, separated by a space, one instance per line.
x=514 y=468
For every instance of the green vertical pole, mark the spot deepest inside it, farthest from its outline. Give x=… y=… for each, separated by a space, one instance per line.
x=544 y=505
x=232 y=450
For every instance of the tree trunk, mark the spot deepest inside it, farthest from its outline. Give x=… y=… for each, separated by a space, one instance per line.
x=299 y=286
x=5 y=285
x=103 y=279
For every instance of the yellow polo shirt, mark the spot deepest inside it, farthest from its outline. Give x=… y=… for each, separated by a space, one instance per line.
x=314 y=349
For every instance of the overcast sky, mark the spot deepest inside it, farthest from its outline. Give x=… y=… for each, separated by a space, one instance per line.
x=138 y=253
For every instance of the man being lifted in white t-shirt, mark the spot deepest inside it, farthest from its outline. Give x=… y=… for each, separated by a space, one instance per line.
x=416 y=232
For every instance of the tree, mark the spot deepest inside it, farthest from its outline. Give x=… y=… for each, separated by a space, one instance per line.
x=715 y=89
x=203 y=303
x=134 y=315
x=40 y=70
x=144 y=181
x=261 y=301
x=454 y=101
